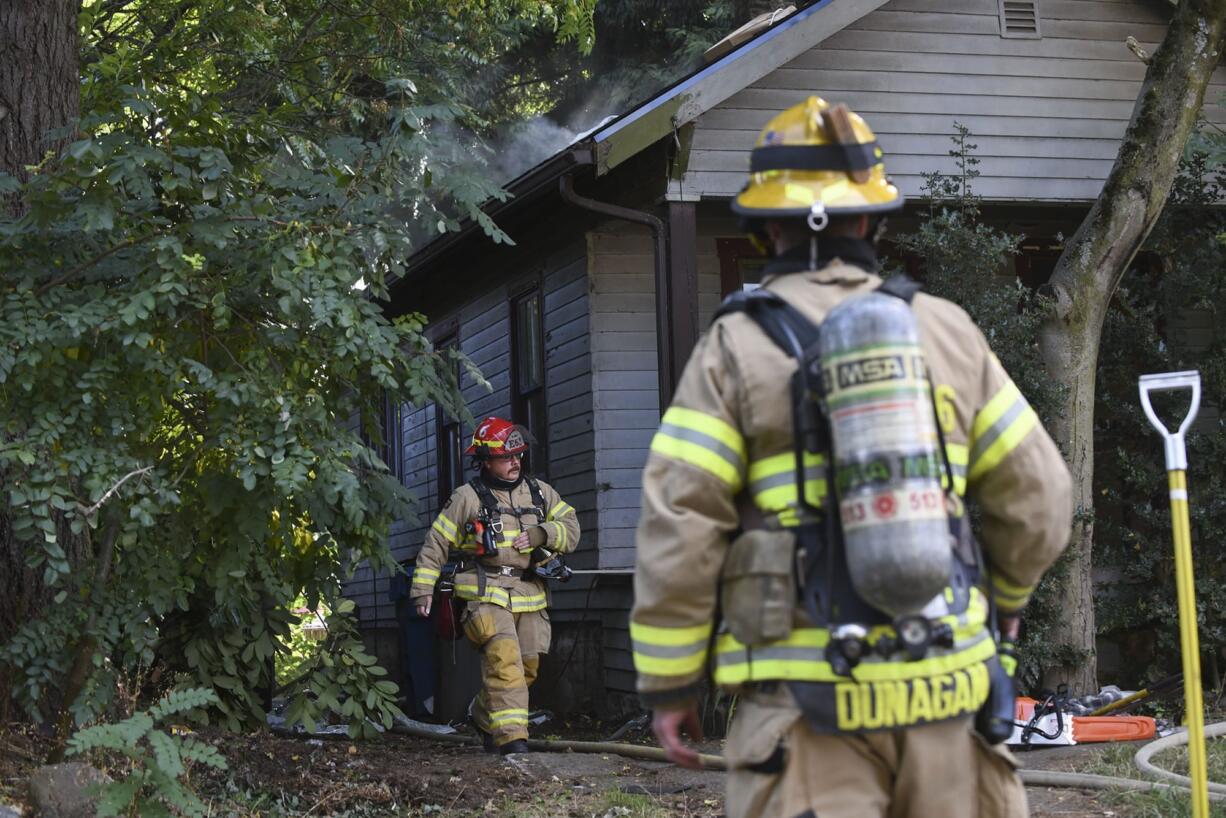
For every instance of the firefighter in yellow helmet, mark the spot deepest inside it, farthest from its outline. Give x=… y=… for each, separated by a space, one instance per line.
x=501 y=533
x=818 y=508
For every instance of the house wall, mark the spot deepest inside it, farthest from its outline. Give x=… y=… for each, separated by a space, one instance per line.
x=1046 y=114
x=625 y=392
x=484 y=332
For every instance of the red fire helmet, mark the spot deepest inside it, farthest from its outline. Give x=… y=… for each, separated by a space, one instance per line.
x=495 y=437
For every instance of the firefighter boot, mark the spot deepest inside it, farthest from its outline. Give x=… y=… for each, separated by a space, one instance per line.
x=519 y=745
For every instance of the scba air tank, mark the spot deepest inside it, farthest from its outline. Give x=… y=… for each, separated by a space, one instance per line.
x=888 y=463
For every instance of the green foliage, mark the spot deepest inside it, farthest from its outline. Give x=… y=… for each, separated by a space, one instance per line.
x=300 y=645
x=191 y=333
x=641 y=46
x=157 y=760
x=1181 y=273
x=966 y=260
x=1181 y=285
x=343 y=679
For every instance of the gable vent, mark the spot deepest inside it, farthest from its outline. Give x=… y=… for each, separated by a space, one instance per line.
x=1019 y=18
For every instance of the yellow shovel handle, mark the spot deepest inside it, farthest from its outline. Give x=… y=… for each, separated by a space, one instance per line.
x=1189 y=643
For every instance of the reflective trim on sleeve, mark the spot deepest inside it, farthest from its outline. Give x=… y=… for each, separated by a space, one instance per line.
x=999 y=428
x=561 y=541
x=1008 y=596
x=959 y=457
x=424 y=576
x=661 y=651
x=772 y=482
x=445 y=527
x=703 y=441
x=560 y=510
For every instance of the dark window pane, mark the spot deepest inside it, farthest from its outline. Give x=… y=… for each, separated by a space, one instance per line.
x=529 y=342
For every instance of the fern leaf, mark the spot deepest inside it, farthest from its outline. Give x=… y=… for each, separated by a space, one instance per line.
x=116 y=798
x=166 y=753
x=179 y=701
x=98 y=737
x=201 y=753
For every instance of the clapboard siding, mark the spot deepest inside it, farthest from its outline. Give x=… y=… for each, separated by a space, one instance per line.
x=625 y=388
x=1046 y=114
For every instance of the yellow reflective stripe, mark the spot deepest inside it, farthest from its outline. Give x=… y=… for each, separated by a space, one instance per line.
x=499 y=718
x=1008 y=440
x=447 y=523
x=1008 y=595
x=704 y=441
x=560 y=543
x=438 y=526
x=819 y=671
x=422 y=573
x=780 y=464
x=959 y=456
x=670 y=637
x=662 y=651
x=772 y=481
x=527 y=604
x=995 y=409
x=669 y=666
x=560 y=510
x=501 y=597
x=708 y=425
x=696 y=455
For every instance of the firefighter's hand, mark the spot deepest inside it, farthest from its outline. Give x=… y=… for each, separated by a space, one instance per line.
x=523 y=543
x=1010 y=626
x=668 y=725
x=423 y=604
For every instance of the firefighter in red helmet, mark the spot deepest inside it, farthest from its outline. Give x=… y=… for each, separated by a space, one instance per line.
x=499 y=530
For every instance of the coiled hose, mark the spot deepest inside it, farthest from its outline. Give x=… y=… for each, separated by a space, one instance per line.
x=1038 y=778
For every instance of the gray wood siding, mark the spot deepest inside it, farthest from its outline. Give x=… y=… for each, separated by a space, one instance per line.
x=1047 y=114
x=625 y=388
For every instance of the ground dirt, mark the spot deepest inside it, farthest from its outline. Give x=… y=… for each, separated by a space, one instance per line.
x=401 y=775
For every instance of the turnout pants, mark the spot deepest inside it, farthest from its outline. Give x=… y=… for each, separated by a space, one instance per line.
x=779 y=768
x=511 y=646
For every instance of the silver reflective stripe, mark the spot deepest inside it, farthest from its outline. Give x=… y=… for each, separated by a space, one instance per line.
x=706 y=441
x=998 y=428
x=787 y=478
x=669 y=651
x=795 y=654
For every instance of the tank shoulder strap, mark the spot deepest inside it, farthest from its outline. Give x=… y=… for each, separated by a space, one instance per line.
x=488 y=501
x=534 y=488
x=784 y=324
x=901 y=286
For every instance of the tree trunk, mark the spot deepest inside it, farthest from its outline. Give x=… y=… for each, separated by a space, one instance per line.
x=1090 y=269
x=39 y=92
x=39 y=79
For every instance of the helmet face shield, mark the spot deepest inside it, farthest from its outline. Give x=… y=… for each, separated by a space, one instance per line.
x=816 y=161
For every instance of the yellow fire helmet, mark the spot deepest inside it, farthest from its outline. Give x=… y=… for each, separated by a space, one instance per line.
x=816 y=160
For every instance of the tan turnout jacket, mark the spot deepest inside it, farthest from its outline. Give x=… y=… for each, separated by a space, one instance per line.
x=722 y=461
x=559 y=524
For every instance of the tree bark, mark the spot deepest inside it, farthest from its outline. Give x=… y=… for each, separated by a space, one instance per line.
x=1089 y=271
x=39 y=79
x=39 y=92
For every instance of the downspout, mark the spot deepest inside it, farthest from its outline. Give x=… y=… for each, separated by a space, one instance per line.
x=664 y=356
